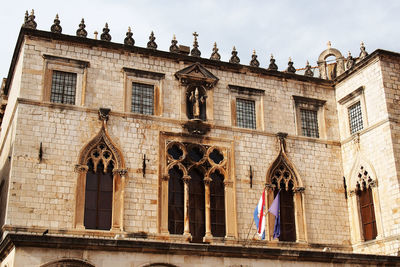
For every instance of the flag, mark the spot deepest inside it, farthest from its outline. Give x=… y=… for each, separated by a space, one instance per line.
x=259 y=216
x=275 y=209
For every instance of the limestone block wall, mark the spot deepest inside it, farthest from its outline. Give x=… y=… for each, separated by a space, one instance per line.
x=376 y=149
x=42 y=194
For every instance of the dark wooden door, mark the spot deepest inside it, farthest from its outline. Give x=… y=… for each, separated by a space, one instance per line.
x=175 y=201
x=367 y=214
x=196 y=205
x=98 y=198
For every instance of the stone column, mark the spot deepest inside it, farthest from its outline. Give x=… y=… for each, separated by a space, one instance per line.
x=301 y=231
x=356 y=234
x=122 y=174
x=208 y=236
x=230 y=216
x=80 y=196
x=186 y=231
x=164 y=205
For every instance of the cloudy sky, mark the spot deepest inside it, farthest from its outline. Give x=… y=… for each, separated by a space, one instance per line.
x=297 y=29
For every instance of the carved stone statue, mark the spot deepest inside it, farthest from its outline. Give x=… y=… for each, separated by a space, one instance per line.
x=196 y=101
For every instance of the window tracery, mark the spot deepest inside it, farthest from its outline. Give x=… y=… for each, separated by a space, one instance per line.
x=196 y=175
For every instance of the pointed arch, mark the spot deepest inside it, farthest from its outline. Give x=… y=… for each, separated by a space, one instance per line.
x=365 y=215
x=362 y=169
x=102 y=137
x=283 y=175
x=101 y=151
x=282 y=164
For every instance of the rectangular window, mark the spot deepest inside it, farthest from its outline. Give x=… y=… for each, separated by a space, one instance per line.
x=142 y=98
x=63 y=87
x=355 y=118
x=245 y=113
x=309 y=123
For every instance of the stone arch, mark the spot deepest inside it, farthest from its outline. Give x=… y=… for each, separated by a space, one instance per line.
x=363 y=173
x=104 y=137
x=322 y=64
x=180 y=167
x=282 y=164
x=68 y=263
x=102 y=144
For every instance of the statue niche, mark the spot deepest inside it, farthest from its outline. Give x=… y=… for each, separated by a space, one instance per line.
x=197 y=82
x=196 y=103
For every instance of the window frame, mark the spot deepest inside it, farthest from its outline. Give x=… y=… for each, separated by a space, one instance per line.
x=312 y=104
x=225 y=167
x=143 y=77
x=68 y=65
x=345 y=103
x=250 y=94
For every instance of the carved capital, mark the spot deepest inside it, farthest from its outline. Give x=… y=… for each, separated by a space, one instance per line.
x=352 y=192
x=299 y=190
x=228 y=183
x=121 y=172
x=165 y=177
x=79 y=168
x=373 y=183
x=186 y=179
x=207 y=180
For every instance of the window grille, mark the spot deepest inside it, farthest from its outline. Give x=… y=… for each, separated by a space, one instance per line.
x=63 y=87
x=142 y=98
x=309 y=123
x=355 y=118
x=245 y=113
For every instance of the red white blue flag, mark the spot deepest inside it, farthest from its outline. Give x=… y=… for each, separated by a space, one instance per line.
x=259 y=216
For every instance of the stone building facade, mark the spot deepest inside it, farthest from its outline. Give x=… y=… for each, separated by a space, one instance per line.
x=117 y=154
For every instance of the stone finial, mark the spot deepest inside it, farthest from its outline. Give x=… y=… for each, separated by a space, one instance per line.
x=195 y=51
x=56 y=27
x=174 y=47
x=105 y=36
x=95 y=34
x=329 y=44
x=308 y=71
x=215 y=55
x=234 y=58
x=81 y=32
x=128 y=39
x=25 y=18
x=281 y=138
x=29 y=21
x=363 y=52
x=272 y=64
x=290 y=67
x=254 y=62
x=350 y=61
x=151 y=44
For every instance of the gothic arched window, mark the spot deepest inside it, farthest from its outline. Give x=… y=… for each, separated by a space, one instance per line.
x=100 y=185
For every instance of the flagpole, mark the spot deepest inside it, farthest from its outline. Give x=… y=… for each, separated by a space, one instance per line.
x=251 y=224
